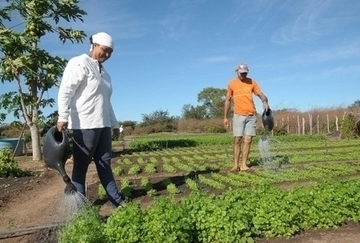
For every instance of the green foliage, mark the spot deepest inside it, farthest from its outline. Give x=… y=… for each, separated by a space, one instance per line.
x=84 y=227
x=172 y=189
x=150 y=191
x=124 y=225
x=22 y=56
x=176 y=141
x=213 y=99
x=101 y=192
x=194 y=112
x=166 y=222
x=158 y=143
x=191 y=184
x=156 y=122
x=348 y=127
x=219 y=219
x=150 y=168
x=22 y=60
x=8 y=166
x=118 y=171
x=126 y=188
x=215 y=129
x=235 y=216
x=130 y=124
x=158 y=116
x=144 y=181
x=134 y=170
x=277 y=131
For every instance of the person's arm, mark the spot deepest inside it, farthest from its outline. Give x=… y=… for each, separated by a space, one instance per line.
x=114 y=122
x=261 y=95
x=226 y=110
x=72 y=77
x=227 y=106
x=264 y=100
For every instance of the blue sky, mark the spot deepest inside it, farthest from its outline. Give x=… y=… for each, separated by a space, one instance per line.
x=305 y=54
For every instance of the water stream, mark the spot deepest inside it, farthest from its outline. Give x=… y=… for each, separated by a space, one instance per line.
x=267 y=158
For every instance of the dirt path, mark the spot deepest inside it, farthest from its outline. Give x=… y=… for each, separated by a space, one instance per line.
x=33 y=202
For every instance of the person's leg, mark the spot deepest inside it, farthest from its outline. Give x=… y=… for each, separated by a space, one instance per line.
x=245 y=152
x=238 y=132
x=84 y=144
x=102 y=158
x=250 y=131
x=237 y=152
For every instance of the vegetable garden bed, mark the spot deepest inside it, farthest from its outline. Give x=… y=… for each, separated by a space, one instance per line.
x=191 y=196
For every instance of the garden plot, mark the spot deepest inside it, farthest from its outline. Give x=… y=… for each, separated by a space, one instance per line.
x=145 y=175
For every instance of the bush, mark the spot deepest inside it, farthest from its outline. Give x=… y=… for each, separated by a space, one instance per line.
x=348 y=127
x=8 y=166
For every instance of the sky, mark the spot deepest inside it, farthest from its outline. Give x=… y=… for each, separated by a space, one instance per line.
x=304 y=54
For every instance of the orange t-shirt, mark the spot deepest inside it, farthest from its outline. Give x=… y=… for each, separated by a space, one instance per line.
x=242 y=94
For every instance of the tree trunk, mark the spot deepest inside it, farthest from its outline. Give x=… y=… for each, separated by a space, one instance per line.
x=35 y=142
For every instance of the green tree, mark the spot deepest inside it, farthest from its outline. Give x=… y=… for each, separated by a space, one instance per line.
x=156 y=117
x=34 y=70
x=355 y=104
x=131 y=124
x=213 y=100
x=194 y=112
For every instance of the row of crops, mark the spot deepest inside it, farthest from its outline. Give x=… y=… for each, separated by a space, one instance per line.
x=309 y=182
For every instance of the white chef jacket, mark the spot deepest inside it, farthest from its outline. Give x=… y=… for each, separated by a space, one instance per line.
x=84 y=95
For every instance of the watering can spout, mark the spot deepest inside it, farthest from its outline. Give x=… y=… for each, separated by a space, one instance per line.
x=56 y=151
x=70 y=188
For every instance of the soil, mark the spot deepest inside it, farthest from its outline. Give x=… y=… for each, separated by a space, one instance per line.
x=28 y=206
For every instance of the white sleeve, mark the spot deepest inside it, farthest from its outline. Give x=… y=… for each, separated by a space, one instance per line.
x=114 y=122
x=73 y=74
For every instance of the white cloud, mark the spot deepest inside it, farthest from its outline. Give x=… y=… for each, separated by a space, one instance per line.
x=345 y=50
x=315 y=19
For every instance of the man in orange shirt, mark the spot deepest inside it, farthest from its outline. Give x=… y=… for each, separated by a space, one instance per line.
x=240 y=90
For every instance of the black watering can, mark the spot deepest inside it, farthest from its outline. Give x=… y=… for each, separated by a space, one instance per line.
x=56 y=151
x=268 y=120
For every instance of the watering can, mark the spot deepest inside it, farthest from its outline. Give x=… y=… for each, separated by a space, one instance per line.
x=268 y=120
x=56 y=151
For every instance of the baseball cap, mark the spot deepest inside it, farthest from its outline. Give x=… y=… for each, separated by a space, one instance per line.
x=242 y=68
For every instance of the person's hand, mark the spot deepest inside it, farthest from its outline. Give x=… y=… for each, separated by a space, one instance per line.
x=266 y=106
x=226 y=123
x=61 y=126
x=116 y=133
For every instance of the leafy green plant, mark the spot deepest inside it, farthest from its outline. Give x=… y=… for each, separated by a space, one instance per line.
x=164 y=222
x=191 y=184
x=151 y=192
x=118 y=171
x=172 y=189
x=8 y=166
x=134 y=170
x=144 y=181
x=101 y=192
x=85 y=226
x=150 y=168
x=124 y=225
x=126 y=188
